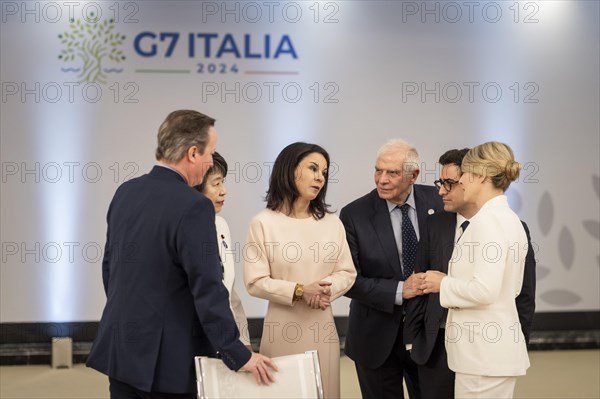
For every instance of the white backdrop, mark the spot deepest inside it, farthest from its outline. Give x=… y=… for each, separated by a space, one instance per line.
x=82 y=102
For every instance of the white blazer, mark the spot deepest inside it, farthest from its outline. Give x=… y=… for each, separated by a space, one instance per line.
x=485 y=275
x=227 y=255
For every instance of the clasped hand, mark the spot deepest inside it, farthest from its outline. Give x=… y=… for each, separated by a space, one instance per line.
x=317 y=295
x=422 y=283
x=412 y=286
x=431 y=281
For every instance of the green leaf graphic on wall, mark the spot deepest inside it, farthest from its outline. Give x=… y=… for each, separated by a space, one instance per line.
x=92 y=42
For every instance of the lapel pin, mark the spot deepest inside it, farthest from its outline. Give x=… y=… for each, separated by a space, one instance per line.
x=430 y=212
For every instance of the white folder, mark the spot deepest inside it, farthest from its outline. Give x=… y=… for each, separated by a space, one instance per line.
x=299 y=376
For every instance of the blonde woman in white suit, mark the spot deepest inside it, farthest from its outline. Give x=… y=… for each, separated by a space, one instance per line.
x=213 y=187
x=486 y=347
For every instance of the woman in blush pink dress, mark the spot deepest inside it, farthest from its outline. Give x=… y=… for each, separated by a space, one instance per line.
x=297 y=258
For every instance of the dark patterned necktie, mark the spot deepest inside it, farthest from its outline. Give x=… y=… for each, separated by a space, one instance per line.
x=409 y=243
x=463 y=226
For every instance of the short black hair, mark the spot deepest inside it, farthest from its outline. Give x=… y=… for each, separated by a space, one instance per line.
x=282 y=183
x=454 y=156
x=219 y=166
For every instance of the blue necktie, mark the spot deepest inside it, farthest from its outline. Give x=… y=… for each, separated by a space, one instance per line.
x=409 y=243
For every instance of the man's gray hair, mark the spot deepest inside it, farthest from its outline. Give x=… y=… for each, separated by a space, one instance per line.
x=411 y=159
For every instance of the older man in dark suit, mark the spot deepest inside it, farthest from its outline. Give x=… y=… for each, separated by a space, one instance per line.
x=382 y=229
x=425 y=317
x=166 y=301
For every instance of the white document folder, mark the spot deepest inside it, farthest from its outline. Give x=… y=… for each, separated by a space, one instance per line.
x=299 y=376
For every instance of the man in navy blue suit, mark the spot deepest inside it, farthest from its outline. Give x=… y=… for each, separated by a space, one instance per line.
x=374 y=225
x=166 y=301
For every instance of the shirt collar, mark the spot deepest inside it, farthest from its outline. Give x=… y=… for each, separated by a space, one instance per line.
x=410 y=201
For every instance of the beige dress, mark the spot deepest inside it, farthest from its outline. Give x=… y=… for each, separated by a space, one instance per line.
x=281 y=251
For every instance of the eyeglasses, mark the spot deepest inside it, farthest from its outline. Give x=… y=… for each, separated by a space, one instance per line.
x=447 y=184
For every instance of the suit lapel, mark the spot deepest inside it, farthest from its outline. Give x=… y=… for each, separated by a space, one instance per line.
x=447 y=231
x=383 y=228
x=422 y=207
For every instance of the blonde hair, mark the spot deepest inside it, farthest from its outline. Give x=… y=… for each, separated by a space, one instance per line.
x=494 y=160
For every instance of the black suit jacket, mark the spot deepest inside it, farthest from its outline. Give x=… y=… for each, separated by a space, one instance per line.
x=424 y=314
x=166 y=301
x=374 y=319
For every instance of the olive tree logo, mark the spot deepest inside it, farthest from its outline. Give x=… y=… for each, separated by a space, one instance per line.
x=92 y=42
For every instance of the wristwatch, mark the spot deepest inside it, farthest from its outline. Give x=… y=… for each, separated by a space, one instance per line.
x=298 y=292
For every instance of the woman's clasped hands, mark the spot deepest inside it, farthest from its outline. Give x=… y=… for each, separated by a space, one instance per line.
x=317 y=295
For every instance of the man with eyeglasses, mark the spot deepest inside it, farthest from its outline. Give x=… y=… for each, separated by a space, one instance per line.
x=382 y=229
x=425 y=317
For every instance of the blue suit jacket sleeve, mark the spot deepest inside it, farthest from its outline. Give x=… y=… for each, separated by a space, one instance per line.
x=198 y=250
x=375 y=292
